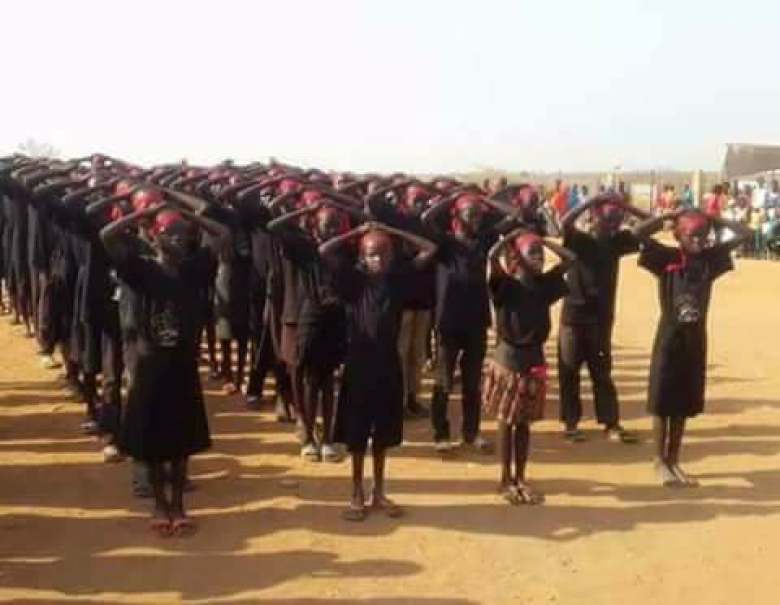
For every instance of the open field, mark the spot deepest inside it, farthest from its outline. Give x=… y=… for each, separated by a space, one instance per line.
x=70 y=532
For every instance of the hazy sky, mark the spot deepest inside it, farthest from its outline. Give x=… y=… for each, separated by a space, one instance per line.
x=419 y=86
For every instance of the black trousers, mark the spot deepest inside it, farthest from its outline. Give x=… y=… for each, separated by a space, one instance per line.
x=264 y=360
x=467 y=348
x=590 y=344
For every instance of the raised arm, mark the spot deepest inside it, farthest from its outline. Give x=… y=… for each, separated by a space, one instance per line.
x=742 y=233
x=426 y=249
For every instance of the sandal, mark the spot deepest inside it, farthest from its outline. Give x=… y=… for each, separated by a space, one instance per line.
x=619 y=434
x=510 y=494
x=161 y=526
x=387 y=506
x=183 y=527
x=684 y=479
x=354 y=513
x=528 y=496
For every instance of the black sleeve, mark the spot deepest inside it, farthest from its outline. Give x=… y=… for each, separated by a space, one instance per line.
x=252 y=213
x=554 y=285
x=575 y=240
x=498 y=285
x=656 y=257
x=624 y=242
x=141 y=273
x=719 y=261
x=298 y=246
x=347 y=279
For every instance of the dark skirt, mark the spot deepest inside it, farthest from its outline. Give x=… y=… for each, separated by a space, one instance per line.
x=678 y=370
x=322 y=340
x=371 y=400
x=165 y=416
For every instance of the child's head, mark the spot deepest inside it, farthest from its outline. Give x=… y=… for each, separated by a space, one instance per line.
x=376 y=252
x=174 y=236
x=468 y=213
x=526 y=254
x=607 y=215
x=414 y=200
x=691 y=230
x=329 y=222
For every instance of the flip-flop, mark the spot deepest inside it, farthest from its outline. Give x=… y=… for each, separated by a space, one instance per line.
x=511 y=495
x=528 y=496
x=355 y=514
x=388 y=507
x=161 y=527
x=683 y=478
x=183 y=527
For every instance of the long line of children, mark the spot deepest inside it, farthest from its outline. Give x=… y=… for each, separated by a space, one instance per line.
x=328 y=279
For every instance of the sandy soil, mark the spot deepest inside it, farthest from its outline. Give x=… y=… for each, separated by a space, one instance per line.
x=70 y=532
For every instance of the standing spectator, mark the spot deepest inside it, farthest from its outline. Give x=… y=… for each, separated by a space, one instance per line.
x=573 y=198
x=687 y=197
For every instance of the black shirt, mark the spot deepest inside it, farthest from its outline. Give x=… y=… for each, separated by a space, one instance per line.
x=593 y=279
x=523 y=316
x=461 y=287
x=684 y=282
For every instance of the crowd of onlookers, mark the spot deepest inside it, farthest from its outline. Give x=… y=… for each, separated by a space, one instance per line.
x=755 y=204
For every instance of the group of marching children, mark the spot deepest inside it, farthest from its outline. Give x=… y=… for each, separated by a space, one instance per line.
x=342 y=287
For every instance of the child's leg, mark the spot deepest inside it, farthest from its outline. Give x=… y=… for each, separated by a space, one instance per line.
x=676 y=432
x=211 y=345
x=180 y=523
x=161 y=513
x=357 y=503
x=379 y=499
x=522 y=445
x=505 y=455
x=327 y=397
x=242 y=350
x=661 y=435
x=226 y=366
x=309 y=408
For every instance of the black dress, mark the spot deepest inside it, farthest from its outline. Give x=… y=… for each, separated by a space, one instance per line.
x=679 y=360
x=370 y=403
x=165 y=416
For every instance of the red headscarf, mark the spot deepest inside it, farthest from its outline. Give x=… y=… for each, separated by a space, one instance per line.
x=524 y=242
x=165 y=220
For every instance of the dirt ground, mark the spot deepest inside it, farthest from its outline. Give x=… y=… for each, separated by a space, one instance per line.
x=270 y=527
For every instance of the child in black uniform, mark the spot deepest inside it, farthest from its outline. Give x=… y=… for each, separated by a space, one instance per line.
x=371 y=400
x=678 y=368
x=515 y=379
x=165 y=420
